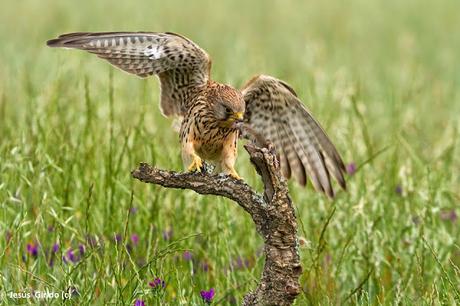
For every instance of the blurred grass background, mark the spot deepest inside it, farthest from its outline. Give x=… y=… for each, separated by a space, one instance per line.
x=383 y=77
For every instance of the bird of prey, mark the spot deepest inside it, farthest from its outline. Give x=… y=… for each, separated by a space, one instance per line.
x=210 y=110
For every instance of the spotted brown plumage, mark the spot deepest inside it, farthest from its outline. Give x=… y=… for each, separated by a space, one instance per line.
x=210 y=109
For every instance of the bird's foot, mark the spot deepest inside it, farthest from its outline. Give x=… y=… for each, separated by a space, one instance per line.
x=233 y=174
x=196 y=165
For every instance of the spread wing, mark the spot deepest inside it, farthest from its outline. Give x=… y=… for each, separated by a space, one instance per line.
x=274 y=110
x=180 y=64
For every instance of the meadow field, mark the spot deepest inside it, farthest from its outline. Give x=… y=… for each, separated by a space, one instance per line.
x=383 y=78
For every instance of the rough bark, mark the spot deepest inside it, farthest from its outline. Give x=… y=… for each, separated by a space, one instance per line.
x=273 y=215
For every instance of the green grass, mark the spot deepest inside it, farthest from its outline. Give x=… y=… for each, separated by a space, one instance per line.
x=377 y=74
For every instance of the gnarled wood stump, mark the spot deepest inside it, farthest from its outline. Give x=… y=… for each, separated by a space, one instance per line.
x=272 y=213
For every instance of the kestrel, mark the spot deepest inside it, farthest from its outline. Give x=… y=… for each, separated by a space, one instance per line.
x=210 y=110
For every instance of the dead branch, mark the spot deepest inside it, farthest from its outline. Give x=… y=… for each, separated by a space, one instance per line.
x=273 y=215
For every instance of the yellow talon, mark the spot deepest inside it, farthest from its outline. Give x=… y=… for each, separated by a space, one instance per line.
x=196 y=165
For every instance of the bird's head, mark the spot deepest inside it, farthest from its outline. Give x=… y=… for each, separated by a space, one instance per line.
x=228 y=106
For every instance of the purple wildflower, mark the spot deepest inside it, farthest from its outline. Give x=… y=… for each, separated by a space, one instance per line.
x=207 y=296
x=187 y=255
x=71 y=256
x=51 y=255
x=32 y=249
x=449 y=215
x=398 y=189
x=64 y=259
x=117 y=238
x=238 y=263
x=351 y=168
x=139 y=303
x=133 y=210
x=81 y=248
x=157 y=283
x=167 y=234
x=135 y=239
x=205 y=266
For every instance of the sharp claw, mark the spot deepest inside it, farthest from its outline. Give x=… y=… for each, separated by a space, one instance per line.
x=196 y=165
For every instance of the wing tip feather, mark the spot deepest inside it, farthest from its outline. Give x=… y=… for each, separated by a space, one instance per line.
x=53 y=42
x=64 y=40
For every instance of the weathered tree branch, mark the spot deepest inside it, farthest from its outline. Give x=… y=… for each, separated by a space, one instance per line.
x=273 y=215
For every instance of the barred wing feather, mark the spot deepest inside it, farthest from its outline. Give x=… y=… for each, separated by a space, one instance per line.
x=180 y=64
x=305 y=151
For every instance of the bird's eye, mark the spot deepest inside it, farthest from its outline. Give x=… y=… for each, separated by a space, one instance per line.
x=228 y=110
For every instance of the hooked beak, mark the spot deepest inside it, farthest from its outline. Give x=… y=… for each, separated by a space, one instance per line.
x=236 y=116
